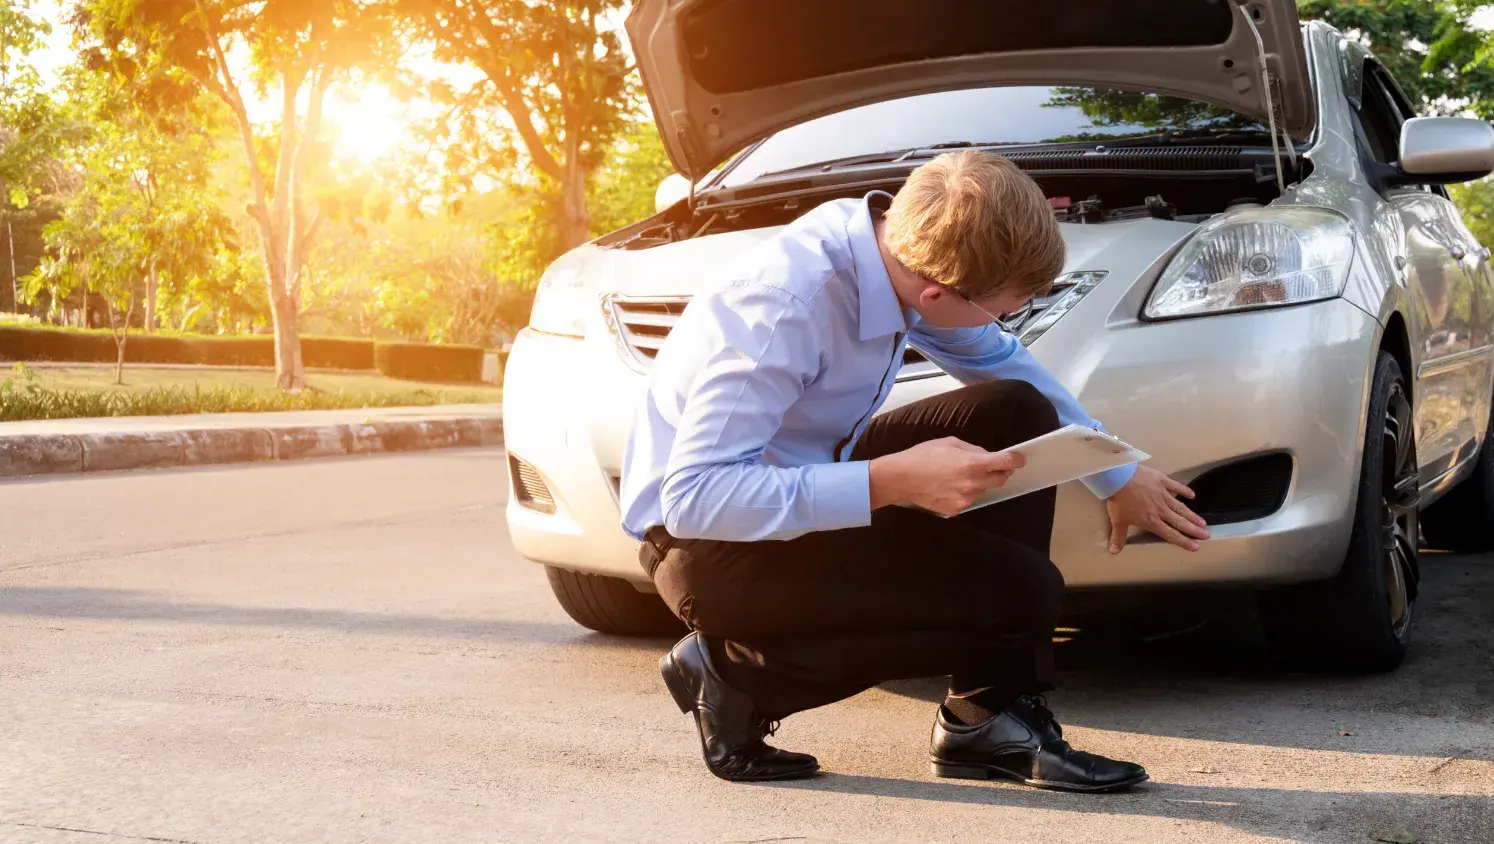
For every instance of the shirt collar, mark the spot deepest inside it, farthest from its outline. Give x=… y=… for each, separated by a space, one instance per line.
x=881 y=314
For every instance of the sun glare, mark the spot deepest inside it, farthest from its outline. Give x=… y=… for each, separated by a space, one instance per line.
x=367 y=123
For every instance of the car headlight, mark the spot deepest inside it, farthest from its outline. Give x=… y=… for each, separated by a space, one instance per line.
x=1256 y=258
x=562 y=300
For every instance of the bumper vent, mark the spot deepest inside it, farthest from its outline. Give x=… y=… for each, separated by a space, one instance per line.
x=1239 y=492
x=529 y=488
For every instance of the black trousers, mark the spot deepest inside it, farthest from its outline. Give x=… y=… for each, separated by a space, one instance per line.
x=808 y=621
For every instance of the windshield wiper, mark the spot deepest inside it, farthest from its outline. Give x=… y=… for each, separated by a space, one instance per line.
x=1218 y=134
x=889 y=156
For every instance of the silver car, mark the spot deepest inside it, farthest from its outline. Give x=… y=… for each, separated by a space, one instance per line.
x=1267 y=287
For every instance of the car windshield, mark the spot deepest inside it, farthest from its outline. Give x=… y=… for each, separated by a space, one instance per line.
x=983 y=116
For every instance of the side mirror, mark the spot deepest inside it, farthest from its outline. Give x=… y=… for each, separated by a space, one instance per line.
x=1444 y=150
x=674 y=188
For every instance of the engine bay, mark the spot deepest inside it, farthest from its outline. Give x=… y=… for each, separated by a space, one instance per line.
x=1088 y=199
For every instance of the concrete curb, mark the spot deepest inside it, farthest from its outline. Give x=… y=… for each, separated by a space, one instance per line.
x=55 y=454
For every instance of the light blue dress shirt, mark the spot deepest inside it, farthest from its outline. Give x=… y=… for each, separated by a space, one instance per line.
x=767 y=373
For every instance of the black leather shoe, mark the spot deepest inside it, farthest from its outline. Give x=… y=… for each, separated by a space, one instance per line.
x=1024 y=743
x=731 y=729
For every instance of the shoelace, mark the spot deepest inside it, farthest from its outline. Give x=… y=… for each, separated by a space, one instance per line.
x=769 y=727
x=1039 y=704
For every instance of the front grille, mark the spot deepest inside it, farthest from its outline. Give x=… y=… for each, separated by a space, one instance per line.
x=1044 y=311
x=1027 y=315
x=1253 y=488
x=529 y=488
x=642 y=324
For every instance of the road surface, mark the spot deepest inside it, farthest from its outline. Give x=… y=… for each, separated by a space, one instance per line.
x=349 y=650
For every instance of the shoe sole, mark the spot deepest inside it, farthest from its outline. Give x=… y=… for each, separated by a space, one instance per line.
x=966 y=771
x=679 y=689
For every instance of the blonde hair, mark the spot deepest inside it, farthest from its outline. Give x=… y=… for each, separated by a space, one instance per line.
x=974 y=222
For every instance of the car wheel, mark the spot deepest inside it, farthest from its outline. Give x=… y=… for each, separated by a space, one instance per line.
x=1361 y=619
x=611 y=605
x=1463 y=519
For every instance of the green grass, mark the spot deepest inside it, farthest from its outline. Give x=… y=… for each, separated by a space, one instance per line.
x=75 y=392
x=144 y=377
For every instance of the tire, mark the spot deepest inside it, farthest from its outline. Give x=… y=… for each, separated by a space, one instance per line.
x=1360 y=620
x=611 y=605
x=1463 y=519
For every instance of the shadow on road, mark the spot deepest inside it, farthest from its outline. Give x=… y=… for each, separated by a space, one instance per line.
x=1211 y=678
x=79 y=603
x=1259 y=811
x=1207 y=679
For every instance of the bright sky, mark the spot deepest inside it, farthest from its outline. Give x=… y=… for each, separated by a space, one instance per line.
x=367 y=121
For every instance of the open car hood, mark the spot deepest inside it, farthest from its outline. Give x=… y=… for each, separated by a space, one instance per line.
x=721 y=74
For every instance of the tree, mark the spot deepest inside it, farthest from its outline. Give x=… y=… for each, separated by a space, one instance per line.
x=31 y=132
x=169 y=50
x=145 y=215
x=1443 y=64
x=559 y=74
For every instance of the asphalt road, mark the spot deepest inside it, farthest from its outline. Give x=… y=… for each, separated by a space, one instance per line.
x=349 y=650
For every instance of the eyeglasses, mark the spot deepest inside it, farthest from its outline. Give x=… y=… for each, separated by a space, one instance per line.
x=1005 y=320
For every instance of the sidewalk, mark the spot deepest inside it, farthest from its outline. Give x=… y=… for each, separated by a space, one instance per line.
x=138 y=442
x=6 y=363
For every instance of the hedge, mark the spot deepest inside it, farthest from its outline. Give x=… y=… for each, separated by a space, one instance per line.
x=426 y=362
x=412 y=361
x=84 y=346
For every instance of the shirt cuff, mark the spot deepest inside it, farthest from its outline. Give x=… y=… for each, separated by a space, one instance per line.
x=1110 y=481
x=842 y=495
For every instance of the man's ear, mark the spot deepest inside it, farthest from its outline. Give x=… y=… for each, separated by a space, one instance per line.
x=932 y=294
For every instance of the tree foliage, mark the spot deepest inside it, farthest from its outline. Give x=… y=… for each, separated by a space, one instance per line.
x=555 y=93
x=32 y=129
x=623 y=191
x=144 y=221
x=1429 y=46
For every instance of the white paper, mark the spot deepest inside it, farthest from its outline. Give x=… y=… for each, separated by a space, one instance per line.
x=1064 y=455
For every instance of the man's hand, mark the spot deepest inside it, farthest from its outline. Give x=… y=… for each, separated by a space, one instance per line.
x=944 y=476
x=1149 y=501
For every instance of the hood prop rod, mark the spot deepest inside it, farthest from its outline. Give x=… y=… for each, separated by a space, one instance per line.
x=1260 y=54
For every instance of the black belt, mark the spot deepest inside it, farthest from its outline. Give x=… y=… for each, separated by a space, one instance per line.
x=659 y=538
x=656 y=543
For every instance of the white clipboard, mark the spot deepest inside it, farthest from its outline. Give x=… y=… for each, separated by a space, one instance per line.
x=1064 y=455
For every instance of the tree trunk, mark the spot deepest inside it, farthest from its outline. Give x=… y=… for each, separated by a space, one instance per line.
x=277 y=230
x=290 y=370
x=187 y=317
x=575 y=224
x=15 y=287
x=150 y=301
x=121 y=334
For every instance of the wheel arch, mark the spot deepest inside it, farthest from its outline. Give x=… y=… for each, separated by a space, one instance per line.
x=1396 y=340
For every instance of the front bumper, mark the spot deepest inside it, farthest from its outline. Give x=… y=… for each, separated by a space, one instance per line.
x=1195 y=393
